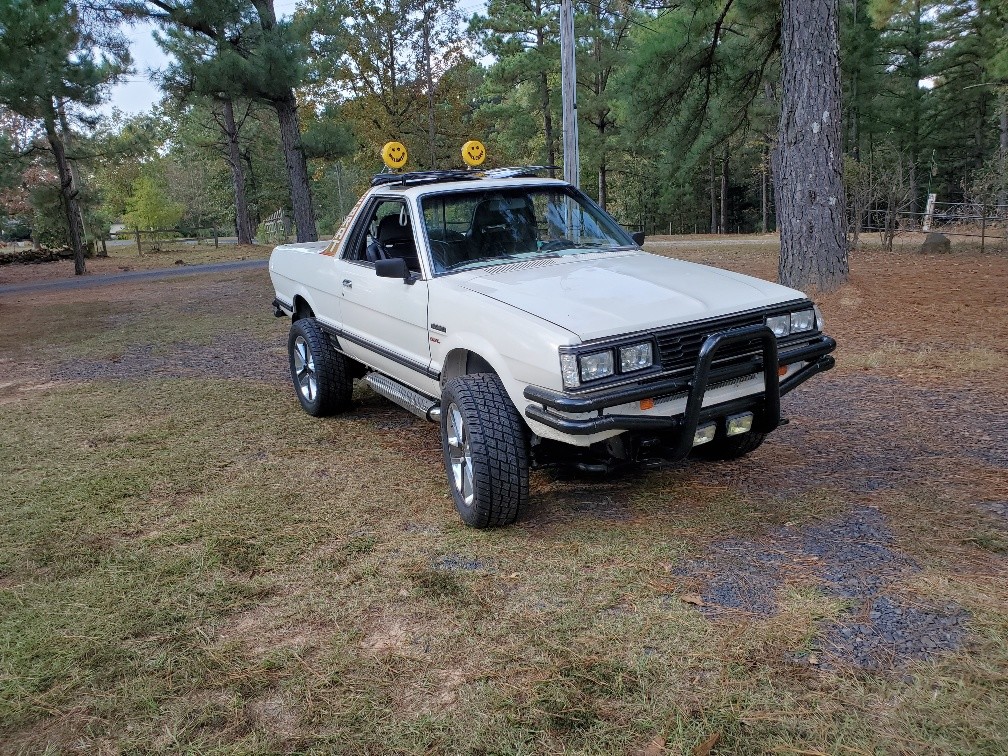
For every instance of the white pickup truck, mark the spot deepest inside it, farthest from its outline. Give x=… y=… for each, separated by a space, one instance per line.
x=520 y=316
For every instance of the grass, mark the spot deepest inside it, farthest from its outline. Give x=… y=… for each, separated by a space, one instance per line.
x=194 y=564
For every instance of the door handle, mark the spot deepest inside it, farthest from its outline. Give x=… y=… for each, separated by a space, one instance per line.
x=347 y=283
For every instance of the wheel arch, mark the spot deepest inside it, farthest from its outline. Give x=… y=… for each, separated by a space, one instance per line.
x=461 y=361
x=302 y=308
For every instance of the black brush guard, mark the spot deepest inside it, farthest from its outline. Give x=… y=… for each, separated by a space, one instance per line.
x=765 y=406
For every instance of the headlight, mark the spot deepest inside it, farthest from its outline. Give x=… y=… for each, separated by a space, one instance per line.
x=780 y=325
x=820 y=324
x=802 y=321
x=569 y=368
x=635 y=357
x=596 y=365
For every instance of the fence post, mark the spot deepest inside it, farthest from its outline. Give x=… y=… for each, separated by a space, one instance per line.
x=139 y=251
x=983 y=226
x=216 y=240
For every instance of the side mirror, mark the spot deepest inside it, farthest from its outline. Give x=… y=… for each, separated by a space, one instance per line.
x=638 y=237
x=393 y=267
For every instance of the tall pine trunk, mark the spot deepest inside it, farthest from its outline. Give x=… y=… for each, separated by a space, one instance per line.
x=297 y=169
x=723 y=224
x=603 y=186
x=808 y=163
x=242 y=223
x=67 y=136
x=544 y=99
x=68 y=193
x=713 y=198
x=290 y=140
x=764 y=204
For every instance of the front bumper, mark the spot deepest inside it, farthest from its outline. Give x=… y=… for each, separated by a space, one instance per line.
x=548 y=403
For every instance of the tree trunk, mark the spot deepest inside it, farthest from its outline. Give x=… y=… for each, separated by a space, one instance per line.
x=253 y=187
x=297 y=169
x=544 y=99
x=807 y=165
x=724 y=191
x=916 y=73
x=713 y=198
x=764 y=206
x=242 y=224
x=1003 y=156
x=290 y=139
x=603 y=187
x=430 y=85
x=75 y=186
x=69 y=195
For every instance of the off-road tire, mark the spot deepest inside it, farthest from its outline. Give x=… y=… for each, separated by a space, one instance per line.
x=497 y=446
x=332 y=370
x=731 y=447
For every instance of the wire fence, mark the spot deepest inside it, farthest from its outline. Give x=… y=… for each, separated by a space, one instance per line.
x=154 y=238
x=974 y=220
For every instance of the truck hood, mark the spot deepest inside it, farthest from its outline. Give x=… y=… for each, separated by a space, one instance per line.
x=598 y=295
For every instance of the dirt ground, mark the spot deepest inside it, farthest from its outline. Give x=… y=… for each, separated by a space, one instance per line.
x=842 y=590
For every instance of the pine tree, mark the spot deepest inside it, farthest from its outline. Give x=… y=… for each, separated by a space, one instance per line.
x=48 y=65
x=521 y=92
x=255 y=56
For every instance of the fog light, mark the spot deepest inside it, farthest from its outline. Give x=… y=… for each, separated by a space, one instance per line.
x=704 y=434
x=737 y=424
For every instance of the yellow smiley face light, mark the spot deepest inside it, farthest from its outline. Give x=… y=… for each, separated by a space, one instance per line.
x=473 y=153
x=394 y=155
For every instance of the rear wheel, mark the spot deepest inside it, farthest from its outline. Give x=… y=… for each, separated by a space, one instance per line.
x=322 y=376
x=484 y=448
x=732 y=447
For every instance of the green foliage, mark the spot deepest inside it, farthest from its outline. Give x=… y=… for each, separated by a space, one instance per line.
x=45 y=58
x=368 y=63
x=520 y=96
x=149 y=208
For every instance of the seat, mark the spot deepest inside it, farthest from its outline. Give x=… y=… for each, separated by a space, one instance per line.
x=502 y=227
x=397 y=241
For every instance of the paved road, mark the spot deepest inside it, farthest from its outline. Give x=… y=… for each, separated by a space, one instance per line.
x=82 y=282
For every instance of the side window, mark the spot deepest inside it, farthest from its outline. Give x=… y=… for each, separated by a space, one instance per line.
x=387 y=233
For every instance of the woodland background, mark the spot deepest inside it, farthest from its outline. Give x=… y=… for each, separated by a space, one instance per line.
x=678 y=107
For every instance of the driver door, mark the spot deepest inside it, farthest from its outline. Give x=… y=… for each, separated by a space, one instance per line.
x=385 y=319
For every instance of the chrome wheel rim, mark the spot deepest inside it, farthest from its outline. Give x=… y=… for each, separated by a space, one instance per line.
x=304 y=369
x=460 y=455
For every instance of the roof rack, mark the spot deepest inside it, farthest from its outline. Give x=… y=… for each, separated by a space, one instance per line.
x=422 y=177
x=434 y=177
x=518 y=171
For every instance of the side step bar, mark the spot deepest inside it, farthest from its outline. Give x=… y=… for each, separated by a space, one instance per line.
x=420 y=405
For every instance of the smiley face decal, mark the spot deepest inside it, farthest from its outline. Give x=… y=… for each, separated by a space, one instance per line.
x=473 y=153
x=394 y=155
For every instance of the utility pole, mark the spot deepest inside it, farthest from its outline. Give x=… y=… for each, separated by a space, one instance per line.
x=430 y=82
x=568 y=84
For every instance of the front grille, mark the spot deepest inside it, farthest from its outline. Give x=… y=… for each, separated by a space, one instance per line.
x=679 y=348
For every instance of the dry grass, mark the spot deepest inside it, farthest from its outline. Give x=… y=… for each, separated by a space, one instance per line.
x=194 y=564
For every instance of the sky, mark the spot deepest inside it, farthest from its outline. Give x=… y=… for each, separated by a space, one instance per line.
x=136 y=93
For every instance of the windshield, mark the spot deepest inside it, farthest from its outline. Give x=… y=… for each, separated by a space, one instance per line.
x=473 y=229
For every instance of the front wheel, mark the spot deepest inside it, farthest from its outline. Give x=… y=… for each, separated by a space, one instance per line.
x=484 y=447
x=321 y=375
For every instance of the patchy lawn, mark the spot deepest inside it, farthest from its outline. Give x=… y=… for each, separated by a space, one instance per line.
x=189 y=562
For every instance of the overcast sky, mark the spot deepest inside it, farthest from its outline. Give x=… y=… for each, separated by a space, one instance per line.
x=136 y=93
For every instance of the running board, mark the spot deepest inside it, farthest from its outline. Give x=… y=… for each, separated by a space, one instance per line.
x=420 y=405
